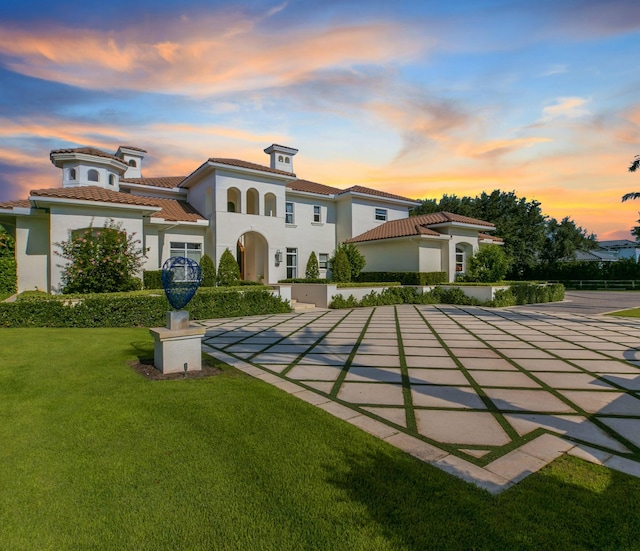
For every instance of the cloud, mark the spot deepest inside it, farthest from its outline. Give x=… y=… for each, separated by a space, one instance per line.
x=186 y=57
x=566 y=108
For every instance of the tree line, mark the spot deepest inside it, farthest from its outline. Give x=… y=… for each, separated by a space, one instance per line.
x=531 y=239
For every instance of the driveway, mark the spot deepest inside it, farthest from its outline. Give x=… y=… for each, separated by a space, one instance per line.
x=490 y=395
x=590 y=302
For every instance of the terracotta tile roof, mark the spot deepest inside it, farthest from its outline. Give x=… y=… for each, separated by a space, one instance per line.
x=376 y=192
x=313 y=187
x=132 y=148
x=418 y=225
x=164 y=181
x=86 y=151
x=446 y=217
x=246 y=164
x=173 y=210
x=394 y=228
x=492 y=237
x=21 y=203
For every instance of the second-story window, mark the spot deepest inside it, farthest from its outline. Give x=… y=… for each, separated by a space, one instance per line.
x=316 y=213
x=93 y=175
x=288 y=213
x=112 y=180
x=72 y=174
x=381 y=215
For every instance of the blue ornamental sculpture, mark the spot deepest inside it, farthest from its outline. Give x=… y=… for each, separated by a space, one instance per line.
x=181 y=278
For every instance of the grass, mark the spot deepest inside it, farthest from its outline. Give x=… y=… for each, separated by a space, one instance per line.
x=93 y=456
x=631 y=313
x=4 y=296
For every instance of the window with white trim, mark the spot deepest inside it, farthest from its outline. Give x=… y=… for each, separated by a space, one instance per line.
x=288 y=213
x=192 y=251
x=93 y=175
x=72 y=174
x=316 y=213
x=292 y=262
x=461 y=266
x=381 y=215
x=112 y=180
x=323 y=261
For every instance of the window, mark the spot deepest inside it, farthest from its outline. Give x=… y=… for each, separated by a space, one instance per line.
x=288 y=213
x=112 y=180
x=93 y=175
x=72 y=174
x=190 y=250
x=286 y=160
x=132 y=163
x=323 y=261
x=381 y=215
x=292 y=263
x=460 y=261
x=316 y=213
x=280 y=159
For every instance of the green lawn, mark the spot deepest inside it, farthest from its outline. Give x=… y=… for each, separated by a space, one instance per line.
x=631 y=313
x=93 y=456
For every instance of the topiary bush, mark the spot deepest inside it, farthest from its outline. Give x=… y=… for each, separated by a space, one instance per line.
x=312 y=271
x=208 y=268
x=101 y=260
x=489 y=264
x=340 y=267
x=228 y=269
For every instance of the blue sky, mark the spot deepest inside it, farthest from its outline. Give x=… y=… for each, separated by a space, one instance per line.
x=415 y=98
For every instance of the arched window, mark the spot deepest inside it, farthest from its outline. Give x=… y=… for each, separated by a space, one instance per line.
x=280 y=159
x=72 y=174
x=286 y=160
x=112 y=180
x=234 y=200
x=270 y=205
x=132 y=163
x=93 y=175
x=253 y=201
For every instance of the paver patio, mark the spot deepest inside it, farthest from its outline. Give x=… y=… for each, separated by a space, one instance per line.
x=490 y=395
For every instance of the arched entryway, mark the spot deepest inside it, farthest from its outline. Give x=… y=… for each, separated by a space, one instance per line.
x=253 y=257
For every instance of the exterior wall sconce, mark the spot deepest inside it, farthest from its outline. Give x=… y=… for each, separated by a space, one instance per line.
x=278 y=257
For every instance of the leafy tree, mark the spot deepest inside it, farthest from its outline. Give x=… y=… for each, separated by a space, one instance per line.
x=564 y=239
x=356 y=260
x=488 y=265
x=313 y=270
x=7 y=244
x=228 y=269
x=340 y=266
x=103 y=260
x=208 y=268
x=635 y=165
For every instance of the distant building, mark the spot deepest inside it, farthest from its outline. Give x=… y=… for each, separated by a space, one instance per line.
x=267 y=216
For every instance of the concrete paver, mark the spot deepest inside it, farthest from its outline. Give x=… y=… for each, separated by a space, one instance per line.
x=501 y=374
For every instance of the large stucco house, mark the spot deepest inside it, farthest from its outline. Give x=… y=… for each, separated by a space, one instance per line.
x=271 y=219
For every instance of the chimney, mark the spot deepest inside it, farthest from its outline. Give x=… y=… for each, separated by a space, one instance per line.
x=281 y=157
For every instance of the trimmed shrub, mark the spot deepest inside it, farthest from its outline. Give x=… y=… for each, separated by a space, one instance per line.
x=208 y=268
x=356 y=260
x=340 y=267
x=312 y=271
x=8 y=277
x=405 y=278
x=152 y=279
x=304 y=280
x=338 y=301
x=502 y=298
x=228 y=269
x=489 y=264
x=144 y=310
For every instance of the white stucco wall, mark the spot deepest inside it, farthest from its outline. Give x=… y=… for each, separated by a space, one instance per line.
x=32 y=252
x=82 y=169
x=396 y=255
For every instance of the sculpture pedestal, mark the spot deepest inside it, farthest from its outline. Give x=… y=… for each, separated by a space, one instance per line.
x=178 y=350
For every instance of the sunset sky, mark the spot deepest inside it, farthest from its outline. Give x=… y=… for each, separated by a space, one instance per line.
x=414 y=98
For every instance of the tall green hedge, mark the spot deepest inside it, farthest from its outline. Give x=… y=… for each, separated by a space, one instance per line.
x=405 y=278
x=8 y=277
x=136 y=310
x=152 y=279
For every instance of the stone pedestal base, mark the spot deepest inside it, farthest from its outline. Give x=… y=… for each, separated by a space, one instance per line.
x=177 y=351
